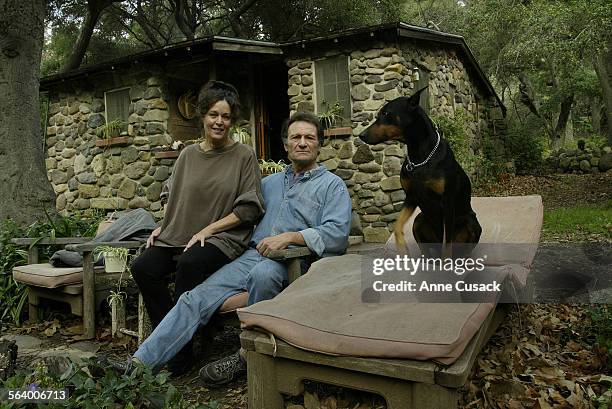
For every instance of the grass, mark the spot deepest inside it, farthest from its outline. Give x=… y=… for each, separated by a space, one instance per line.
x=579 y=222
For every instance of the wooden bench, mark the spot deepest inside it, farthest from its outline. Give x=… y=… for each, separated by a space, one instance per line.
x=276 y=368
x=83 y=295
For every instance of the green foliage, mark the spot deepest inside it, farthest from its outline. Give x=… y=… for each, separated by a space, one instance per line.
x=480 y=165
x=525 y=145
x=586 y=219
x=110 y=129
x=110 y=390
x=330 y=117
x=268 y=167
x=601 y=328
x=13 y=294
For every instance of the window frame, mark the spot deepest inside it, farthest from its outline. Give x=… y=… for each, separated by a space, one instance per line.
x=318 y=108
x=106 y=119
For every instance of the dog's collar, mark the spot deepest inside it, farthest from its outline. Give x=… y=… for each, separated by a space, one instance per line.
x=410 y=166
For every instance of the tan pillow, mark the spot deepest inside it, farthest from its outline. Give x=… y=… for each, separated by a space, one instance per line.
x=45 y=275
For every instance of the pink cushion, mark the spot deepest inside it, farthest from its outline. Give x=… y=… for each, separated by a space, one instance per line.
x=234 y=302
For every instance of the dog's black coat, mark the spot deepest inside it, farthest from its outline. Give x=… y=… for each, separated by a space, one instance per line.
x=438 y=185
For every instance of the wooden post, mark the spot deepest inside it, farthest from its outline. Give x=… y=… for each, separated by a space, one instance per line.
x=117 y=316
x=261 y=375
x=89 y=293
x=33 y=255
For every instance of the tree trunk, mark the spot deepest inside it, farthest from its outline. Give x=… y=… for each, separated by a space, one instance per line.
x=559 y=134
x=603 y=67
x=23 y=177
x=596 y=114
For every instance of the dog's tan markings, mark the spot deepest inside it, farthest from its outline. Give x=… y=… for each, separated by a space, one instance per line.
x=405 y=182
x=400 y=242
x=381 y=133
x=437 y=185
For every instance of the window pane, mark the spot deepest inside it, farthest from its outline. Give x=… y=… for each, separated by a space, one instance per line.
x=117 y=105
x=332 y=77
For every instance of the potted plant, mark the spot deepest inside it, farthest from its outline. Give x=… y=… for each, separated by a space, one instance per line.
x=112 y=133
x=331 y=120
x=269 y=167
x=115 y=258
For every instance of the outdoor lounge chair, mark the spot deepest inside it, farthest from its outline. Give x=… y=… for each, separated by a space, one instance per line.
x=415 y=355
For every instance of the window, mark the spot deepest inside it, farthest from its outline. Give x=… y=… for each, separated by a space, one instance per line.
x=332 y=82
x=117 y=104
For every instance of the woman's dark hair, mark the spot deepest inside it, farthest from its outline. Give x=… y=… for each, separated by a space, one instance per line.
x=302 y=117
x=215 y=91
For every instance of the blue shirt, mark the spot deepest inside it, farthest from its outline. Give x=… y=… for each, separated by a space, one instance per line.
x=316 y=203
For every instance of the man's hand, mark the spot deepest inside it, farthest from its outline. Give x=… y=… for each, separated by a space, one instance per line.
x=152 y=237
x=278 y=242
x=199 y=236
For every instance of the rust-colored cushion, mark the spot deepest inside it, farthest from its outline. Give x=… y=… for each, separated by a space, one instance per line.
x=45 y=275
x=234 y=302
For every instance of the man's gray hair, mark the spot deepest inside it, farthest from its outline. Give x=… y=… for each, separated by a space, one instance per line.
x=302 y=116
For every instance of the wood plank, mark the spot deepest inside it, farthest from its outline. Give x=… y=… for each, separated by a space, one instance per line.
x=91 y=245
x=418 y=371
x=25 y=241
x=89 y=292
x=246 y=48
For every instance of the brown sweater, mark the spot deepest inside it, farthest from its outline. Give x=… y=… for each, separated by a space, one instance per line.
x=206 y=187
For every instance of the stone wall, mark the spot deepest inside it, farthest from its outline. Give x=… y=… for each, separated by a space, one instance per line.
x=118 y=177
x=377 y=75
x=581 y=161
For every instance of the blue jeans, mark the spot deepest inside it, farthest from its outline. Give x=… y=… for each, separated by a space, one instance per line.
x=262 y=277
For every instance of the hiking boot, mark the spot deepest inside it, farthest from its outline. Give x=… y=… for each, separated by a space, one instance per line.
x=119 y=367
x=224 y=370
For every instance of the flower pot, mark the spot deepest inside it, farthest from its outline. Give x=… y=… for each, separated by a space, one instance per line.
x=114 y=263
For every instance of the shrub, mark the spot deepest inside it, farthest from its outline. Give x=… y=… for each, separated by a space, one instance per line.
x=525 y=147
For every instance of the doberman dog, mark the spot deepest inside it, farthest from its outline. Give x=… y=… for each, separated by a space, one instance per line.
x=431 y=178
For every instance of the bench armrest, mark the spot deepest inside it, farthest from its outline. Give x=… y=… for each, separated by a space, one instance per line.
x=292 y=258
x=288 y=254
x=26 y=241
x=91 y=245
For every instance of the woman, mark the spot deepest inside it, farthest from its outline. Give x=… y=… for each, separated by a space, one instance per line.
x=214 y=201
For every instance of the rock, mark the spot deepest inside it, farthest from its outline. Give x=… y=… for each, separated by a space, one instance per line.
x=363 y=154
x=373 y=105
x=87 y=178
x=114 y=165
x=392 y=75
x=129 y=155
x=344 y=174
x=97 y=105
x=360 y=93
x=95 y=120
x=61 y=202
x=392 y=166
x=385 y=86
x=58 y=177
x=127 y=189
x=356 y=79
x=115 y=181
x=373 y=79
x=605 y=162
x=394 y=150
x=345 y=151
x=88 y=191
x=365 y=194
x=81 y=204
x=326 y=153
x=398 y=196
x=156 y=115
x=585 y=165
x=98 y=164
x=381 y=199
x=161 y=174
x=50 y=163
x=306 y=106
x=139 y=202
x=331 y=164
x=110 y=203
x=136 y=170
x=307 y=80
x=375 y=71
x=154 y=191
x=370 y=167
x=68 y=152
x=372 y=53
x=375 y=234
x=391 y=183
x=293 y=90
x=153 y=128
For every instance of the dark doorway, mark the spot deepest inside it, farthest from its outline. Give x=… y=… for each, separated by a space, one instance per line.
x=271 y=109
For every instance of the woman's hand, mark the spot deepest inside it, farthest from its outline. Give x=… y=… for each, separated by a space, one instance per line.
x=152 y=237
x=199 y=236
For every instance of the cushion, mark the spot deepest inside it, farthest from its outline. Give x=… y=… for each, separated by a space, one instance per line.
x=301 y=315
x=510 y=230
x=234 y=302
x=45 y=275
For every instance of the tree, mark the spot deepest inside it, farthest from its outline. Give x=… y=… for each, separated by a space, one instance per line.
x=25 y=188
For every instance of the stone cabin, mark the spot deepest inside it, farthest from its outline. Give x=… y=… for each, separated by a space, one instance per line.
x=358 y=69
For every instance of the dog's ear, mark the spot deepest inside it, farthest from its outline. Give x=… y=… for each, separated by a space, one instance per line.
x=414 y=100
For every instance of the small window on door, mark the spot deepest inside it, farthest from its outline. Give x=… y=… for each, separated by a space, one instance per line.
x=333 y=85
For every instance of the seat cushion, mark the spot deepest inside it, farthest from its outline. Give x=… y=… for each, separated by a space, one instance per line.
x=302 y=315
x=234 y=302
x=45 y=275
x=510 y=230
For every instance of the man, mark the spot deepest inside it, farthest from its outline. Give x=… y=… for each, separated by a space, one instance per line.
x=306 y=205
